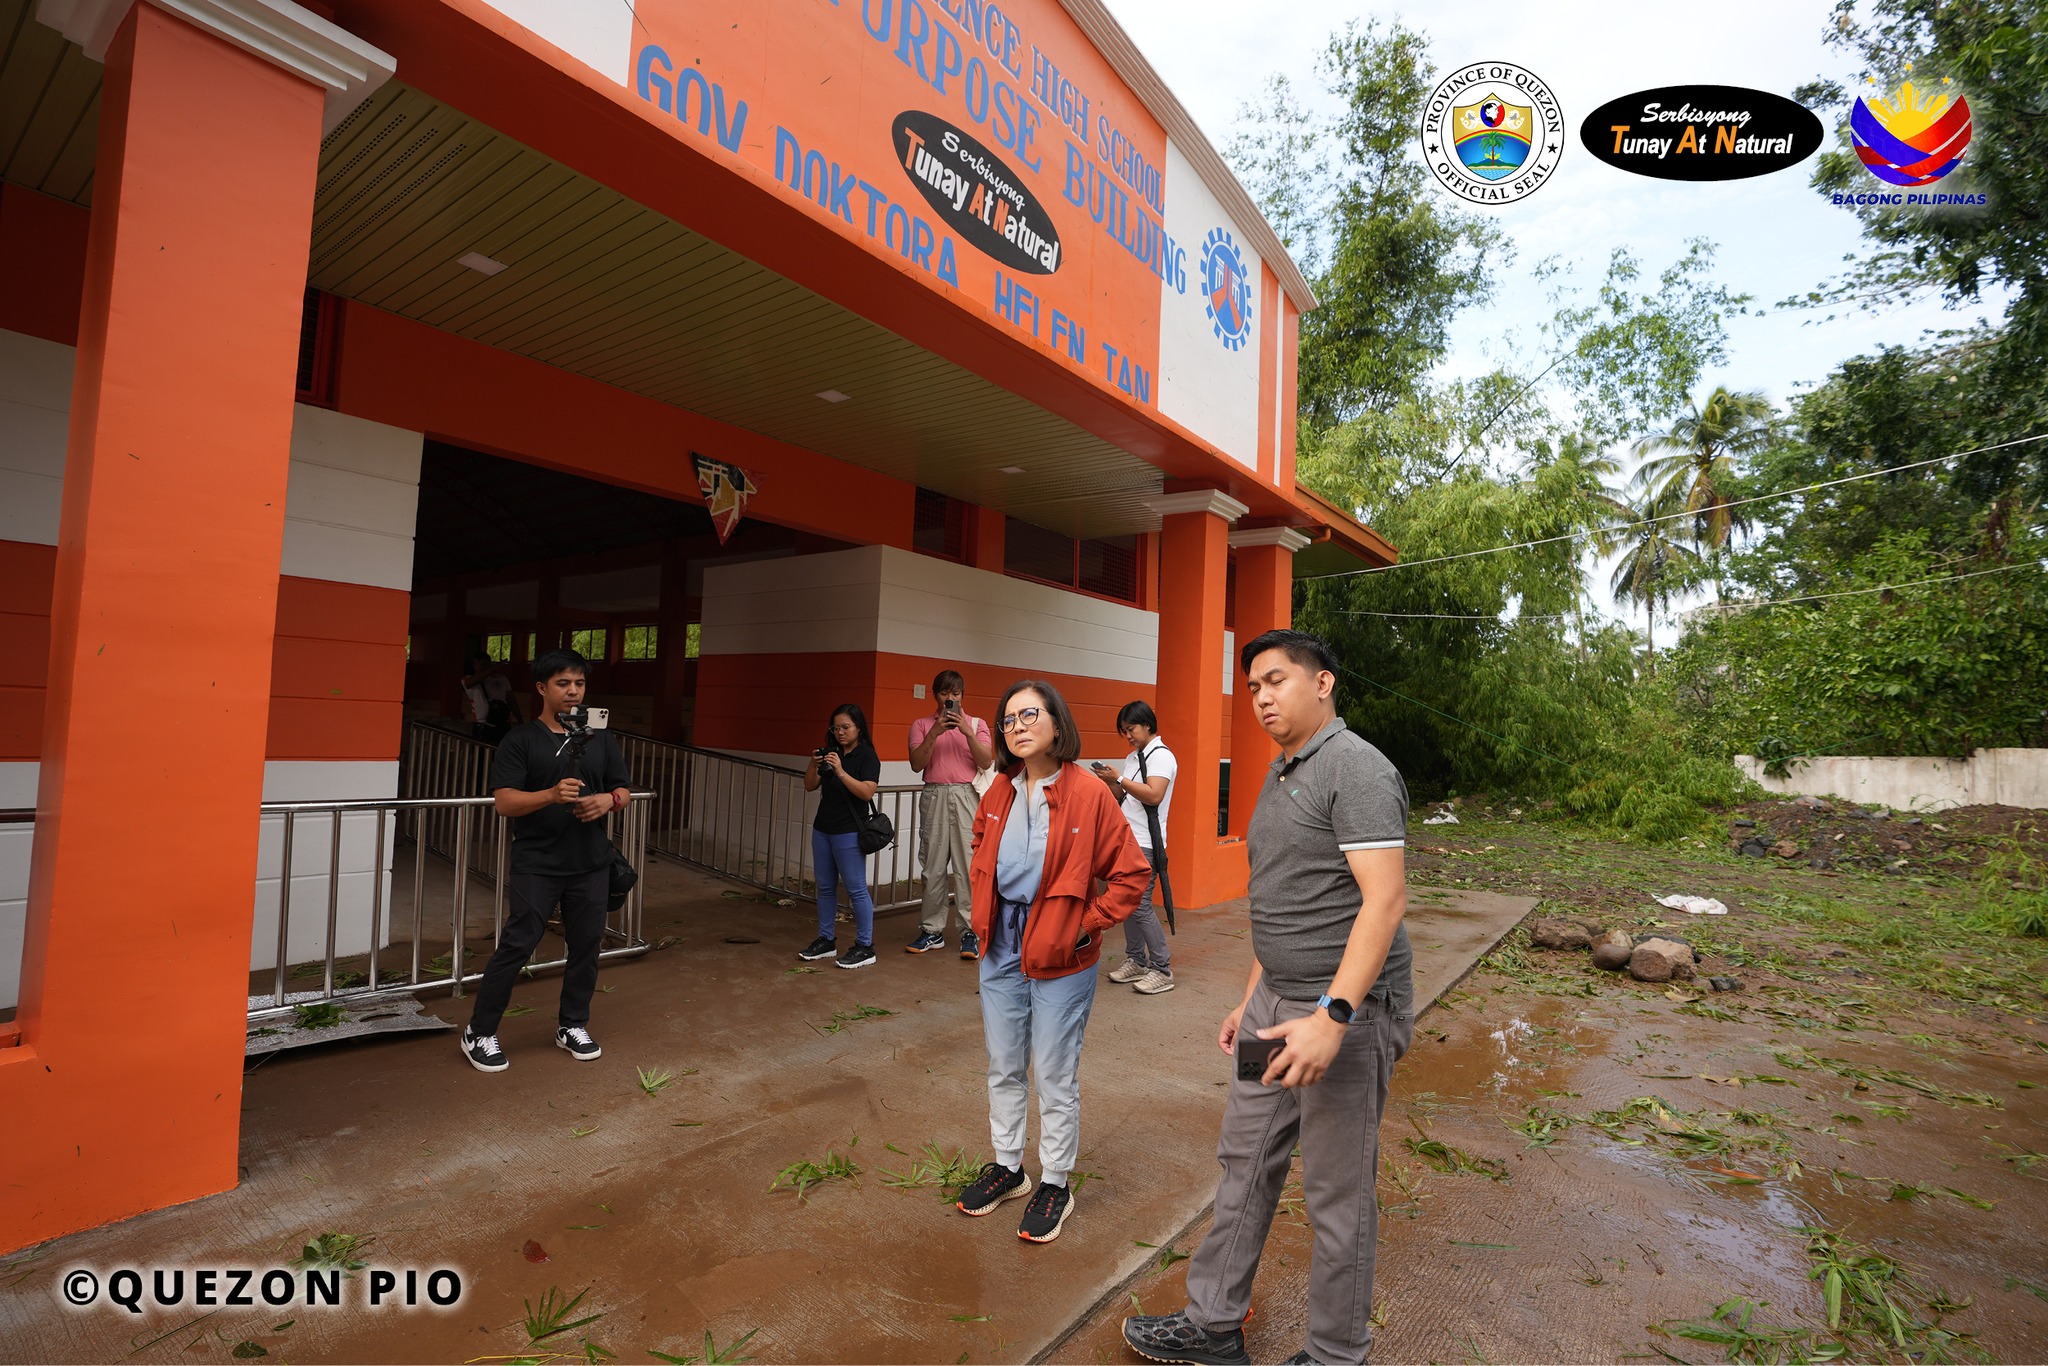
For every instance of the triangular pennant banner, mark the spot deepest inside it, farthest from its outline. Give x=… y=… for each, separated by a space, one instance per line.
x=726 y=488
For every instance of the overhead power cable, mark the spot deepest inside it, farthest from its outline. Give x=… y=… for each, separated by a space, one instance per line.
x=1712 y=606
x=1854 y=592
x=1675 y=516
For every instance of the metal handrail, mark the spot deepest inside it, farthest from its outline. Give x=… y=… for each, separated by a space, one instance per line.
x=469 y=836
x=742 y=819
x=751 y=821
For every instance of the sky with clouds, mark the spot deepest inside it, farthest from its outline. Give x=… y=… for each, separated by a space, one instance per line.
x=1776 y=236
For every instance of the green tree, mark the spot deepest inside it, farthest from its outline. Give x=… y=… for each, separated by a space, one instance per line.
x=1995 y=53
x=1656 y=564
x=1692 y=466
x=1391 y=262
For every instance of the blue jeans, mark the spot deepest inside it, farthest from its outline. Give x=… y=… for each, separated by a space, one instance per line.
x=1035 y=1026
x=836 y=859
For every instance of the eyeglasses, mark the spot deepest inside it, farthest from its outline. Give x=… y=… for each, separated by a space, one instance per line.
x=1026 y=718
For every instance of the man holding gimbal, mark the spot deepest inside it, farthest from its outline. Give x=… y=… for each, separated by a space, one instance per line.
x=557 y=779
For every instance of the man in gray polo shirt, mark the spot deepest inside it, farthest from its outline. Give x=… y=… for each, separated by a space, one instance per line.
x=1330 y=978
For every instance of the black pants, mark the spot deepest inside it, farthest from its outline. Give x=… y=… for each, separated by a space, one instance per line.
x=531 y=898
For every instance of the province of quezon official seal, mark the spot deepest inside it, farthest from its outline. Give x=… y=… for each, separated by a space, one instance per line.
x=1492 y=132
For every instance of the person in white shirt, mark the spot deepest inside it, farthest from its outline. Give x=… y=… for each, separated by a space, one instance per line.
x=493 y=710
x=1146 y=788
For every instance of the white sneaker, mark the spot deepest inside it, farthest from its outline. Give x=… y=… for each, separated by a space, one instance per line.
x=1153 y=982
x=1127 y=972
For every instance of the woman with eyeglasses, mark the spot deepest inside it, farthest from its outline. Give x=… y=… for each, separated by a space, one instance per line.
x=844 y=773
x=1043 y=834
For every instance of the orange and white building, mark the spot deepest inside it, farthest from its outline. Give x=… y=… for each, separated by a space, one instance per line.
x=340 y=338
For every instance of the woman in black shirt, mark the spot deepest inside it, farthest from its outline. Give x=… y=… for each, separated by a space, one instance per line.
x=844 y=774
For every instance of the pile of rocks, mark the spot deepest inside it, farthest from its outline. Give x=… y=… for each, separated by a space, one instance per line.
x=1645 y=957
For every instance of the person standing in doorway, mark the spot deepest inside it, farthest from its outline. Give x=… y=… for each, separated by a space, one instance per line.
x=947 y=749
x=1043 y=835
x=1330 y=980
x=557 y=788
x=844 y=772
x=1144 y=786
x=488 y=694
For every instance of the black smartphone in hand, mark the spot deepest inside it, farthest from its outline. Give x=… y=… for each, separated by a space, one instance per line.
x=1255 y=1055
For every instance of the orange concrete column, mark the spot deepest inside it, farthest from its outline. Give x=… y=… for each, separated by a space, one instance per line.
x=1193 y=553
x=1265 y=602
x=124 y=1093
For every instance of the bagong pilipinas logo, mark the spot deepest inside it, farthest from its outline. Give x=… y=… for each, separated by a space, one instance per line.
x=1492 y=132
x=1227 y=289
x=976 y=195
x=1912 y=138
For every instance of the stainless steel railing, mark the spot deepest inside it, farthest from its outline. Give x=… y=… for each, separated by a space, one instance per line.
x=348 y=925
x=474 y=847
x=439 y=761
x=751 y=821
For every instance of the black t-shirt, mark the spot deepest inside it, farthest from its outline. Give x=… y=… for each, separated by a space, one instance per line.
x=531 y=758
x=836 y=806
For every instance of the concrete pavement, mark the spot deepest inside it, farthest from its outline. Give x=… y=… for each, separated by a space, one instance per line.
x=660 y=1204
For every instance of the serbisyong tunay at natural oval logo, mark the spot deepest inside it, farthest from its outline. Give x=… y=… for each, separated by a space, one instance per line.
x=1701 y=132
x=1492 y=132
x=976 y=194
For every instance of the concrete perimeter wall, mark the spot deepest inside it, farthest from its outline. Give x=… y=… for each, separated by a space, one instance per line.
x=1989 y=777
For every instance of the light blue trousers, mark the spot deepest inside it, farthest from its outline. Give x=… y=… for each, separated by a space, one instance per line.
x=1035 y=1026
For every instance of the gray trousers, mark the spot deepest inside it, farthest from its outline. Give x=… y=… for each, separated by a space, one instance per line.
x=945 y=822
x=1144 y=936
x=1337 y=1124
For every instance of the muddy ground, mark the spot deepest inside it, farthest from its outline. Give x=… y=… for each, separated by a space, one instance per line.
x=1579 y=1167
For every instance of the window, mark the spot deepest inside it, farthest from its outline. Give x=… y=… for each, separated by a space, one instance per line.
x=1230 y=592
x=408 y=649
x=590 y=643
x=939 y=526
x=1106 y=566
x=639 y=642
x=532 y=646
x=498 y=647
x=691 y=635
x=1037 y=553
x=1109 y=566
x=319 y=321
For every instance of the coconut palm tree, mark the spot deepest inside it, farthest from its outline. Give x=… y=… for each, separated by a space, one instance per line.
x=1656 y=564
x=1695 y=460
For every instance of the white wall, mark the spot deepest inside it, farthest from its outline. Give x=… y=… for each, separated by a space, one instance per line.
x=878 y=598
x=350 y=509
x=1989 y=777
x=350 y=505
x=1205 y=386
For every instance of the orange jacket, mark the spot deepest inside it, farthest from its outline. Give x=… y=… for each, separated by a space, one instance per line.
x=1088 y=839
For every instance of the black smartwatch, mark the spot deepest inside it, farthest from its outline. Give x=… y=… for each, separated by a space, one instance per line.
x=1339 y=1009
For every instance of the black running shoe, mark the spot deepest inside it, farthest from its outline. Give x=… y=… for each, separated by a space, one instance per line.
x=859 y=956
x=483 y=1052
x=1301 y=1358
x=1178 y=1338
x=996 y=1184
x=970 y=945
x=821 y=947
x=1048 y=1209
x=577 y=1041
x=925 y=943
